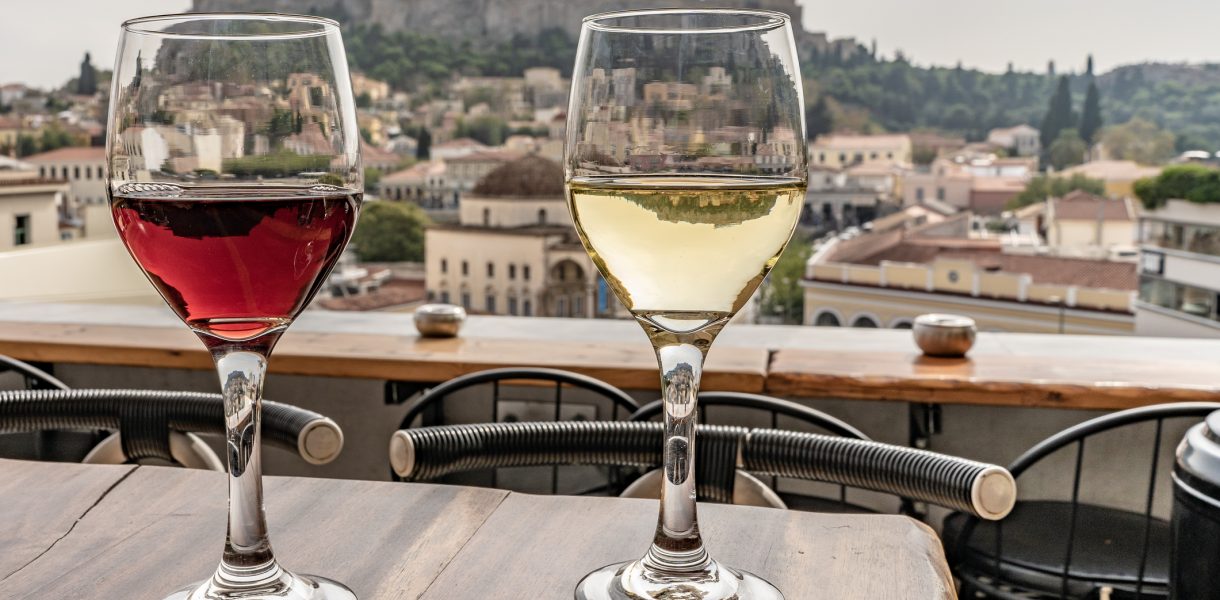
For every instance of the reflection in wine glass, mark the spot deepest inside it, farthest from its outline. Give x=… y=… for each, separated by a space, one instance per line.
x=685 y=168
x=235 y=182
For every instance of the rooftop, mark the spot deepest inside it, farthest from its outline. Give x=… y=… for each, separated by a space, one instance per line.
x=1113 y=170
x=1082 y=206
x=494 y=154
x=460 y=143
x=838 y=140
x=531 y=176
x=70 y=154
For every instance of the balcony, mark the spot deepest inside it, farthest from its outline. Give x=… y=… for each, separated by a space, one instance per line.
x=1012 y=391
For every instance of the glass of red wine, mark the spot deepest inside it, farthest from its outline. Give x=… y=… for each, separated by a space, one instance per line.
x=235 y=182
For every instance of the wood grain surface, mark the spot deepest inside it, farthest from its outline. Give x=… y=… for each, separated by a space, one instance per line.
x=142 y=532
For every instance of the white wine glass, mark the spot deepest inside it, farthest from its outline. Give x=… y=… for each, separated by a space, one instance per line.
x=234 y=181
x=686 y=172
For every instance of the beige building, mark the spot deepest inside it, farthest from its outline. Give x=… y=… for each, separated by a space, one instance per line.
x=887 y=279
x=1119 y=175
x=28 y=210
x=514 y=250
x=1179 y=271
x=840 y=150
x=968 y=180
x=1081 y=220
x=426 y=184
x=84 y=168
x=466 y=171
x=1026 y=140
x=376 y=89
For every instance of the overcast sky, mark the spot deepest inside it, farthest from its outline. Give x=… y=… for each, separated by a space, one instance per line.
x=42 y=41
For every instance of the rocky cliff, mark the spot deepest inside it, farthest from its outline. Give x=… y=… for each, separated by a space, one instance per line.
x=483 y=19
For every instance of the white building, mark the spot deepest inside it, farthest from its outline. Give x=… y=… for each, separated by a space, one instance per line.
x=1080 y=220
x=84 y=168
x=514 y=250
x=839 y=150
x=28 y=215
x=1025 y=139
x=1179 y=271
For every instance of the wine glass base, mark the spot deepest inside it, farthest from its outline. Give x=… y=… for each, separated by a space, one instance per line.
x=628 y=581
x=287 y=587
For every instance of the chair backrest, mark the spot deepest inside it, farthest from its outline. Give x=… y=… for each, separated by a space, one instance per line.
x=145 y=420
x=1076 y=436
x=429 y=453
x=35 y=378
x=429 y=407
x=774 y=409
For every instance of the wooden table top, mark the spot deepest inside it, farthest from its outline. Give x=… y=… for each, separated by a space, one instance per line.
x=1005 y=369
x=77 y=531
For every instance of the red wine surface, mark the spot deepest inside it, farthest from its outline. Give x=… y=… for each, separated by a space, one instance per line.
x=235 y=262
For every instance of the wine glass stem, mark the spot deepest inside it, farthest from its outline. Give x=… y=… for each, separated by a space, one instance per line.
x=248 y=560
x=677 y=546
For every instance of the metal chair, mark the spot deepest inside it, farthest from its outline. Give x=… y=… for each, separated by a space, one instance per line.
x=159 y=425
x=775 y=408
x=1072 y=549
x=429 y=453
x=429 y=407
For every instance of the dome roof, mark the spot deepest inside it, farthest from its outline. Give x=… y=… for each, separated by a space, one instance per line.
x=532 y=176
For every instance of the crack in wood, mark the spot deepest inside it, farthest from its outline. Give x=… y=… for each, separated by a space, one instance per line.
x=101 y=497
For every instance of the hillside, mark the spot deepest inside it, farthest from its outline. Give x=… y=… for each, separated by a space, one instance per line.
x=419 y=44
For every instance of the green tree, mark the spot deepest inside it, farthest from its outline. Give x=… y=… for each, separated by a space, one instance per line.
x=390 y=232
x=1195 y=183
x=818 y=120
x=1059 y=115
x=1090 y=119
x=784 y=297
x=423 y=144
x=487 y=129
x=1042 y=187
x=26 y=145
x=364 y=100
x=372 y=177
x=1068 y=150
x=1139 y=140
x=86 y=84
x=53 y=137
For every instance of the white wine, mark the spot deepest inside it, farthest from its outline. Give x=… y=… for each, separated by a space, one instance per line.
x=685 y=251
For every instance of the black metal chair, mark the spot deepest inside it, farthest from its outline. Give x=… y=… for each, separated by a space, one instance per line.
x=430 y=453
x=429 y=407
x=157 y=425
x=1071 y=549
x=775 y=408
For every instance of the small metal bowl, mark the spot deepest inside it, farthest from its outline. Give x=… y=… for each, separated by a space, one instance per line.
x=439 y=320
x=944 y=335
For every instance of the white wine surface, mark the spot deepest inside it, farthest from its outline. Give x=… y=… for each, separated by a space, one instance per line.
x=693 y=245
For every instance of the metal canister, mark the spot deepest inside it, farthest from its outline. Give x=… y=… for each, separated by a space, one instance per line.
x=1195 y=551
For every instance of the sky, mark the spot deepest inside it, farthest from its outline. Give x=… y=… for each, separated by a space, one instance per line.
x=42 y=41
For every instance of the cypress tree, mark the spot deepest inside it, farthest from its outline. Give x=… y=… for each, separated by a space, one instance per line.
x=818 y=120
x=1088 y=69
x=86 y=84
x=1059 y=114
x=1090 y=119
x=423 y=147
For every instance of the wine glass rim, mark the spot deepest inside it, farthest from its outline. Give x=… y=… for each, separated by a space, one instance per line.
x=768 y=20
x=321 y=25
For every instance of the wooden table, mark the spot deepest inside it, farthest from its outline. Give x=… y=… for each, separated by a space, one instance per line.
x=76 y=531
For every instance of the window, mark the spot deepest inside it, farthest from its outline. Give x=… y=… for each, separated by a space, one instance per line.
x=512 y=271
x=872 y=156
x=466 y=300
x=512 y=305
x=826 y=319
x=525 y=272
x=865 y=322
x=465 y=268
x=76 y=172
x=919 y=194
x=527 y=308
x=491 y=303
x=822 y=157
x=445 y=296
x=578 y=306
x=42 y=171
x=842 y=157
x=88 y=172
x=21 y=230
x=444 y=266
x=940 y=193
x=491 y=269
x=561 y=307
x=487 y=217
x=542 y=216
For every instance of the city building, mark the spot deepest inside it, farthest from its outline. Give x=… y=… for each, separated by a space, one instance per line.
x=363 y=84
x=1026 y=140
x=842 y=150
x=425 y=183
x=1119 y=175
x=456 y=148
x=969 y=179
x=29 y=214
x=1179 y=271
x=514 y=250
x=886 y=279
x=1084 y=221
x=84 y=168
x=838 y=198
x=466 y=171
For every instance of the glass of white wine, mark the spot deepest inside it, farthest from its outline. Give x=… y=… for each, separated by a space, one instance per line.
x=686 y=172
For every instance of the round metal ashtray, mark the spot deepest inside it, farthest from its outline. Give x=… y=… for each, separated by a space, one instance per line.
x=439 y=320
x=944 y=335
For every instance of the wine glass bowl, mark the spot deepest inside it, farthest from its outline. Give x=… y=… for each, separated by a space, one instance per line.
x=685 y=165
x=235 y=183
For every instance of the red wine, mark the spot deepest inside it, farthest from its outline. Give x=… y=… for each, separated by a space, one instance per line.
x=235 y=262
